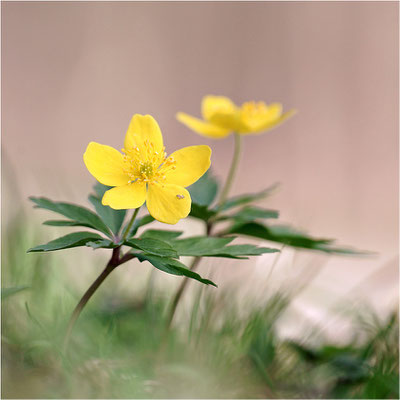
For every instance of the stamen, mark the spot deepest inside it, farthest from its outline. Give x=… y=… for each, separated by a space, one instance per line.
x=146 y=164
x=252 y=109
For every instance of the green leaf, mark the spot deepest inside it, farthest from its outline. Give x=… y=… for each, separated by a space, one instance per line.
x=242 y=251
x=216 y=247
x=161 y=234
x=171 y=266
x=102 y=244
x=6 y=292
x=249 y=214
x=203 y=191
x=289 y=236
x=281 y=234
x=201 y=212
x=248 y=198
x=112 y=218
x=100 y=189
x=152 y=246
x=75 y=239
x=74 y=212
x=199 y=245
x=54 y=222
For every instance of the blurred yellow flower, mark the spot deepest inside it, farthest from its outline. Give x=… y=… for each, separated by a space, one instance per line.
x=144 y=172
x=222 y=117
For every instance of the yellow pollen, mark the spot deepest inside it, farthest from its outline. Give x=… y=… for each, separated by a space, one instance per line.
x=252 y=108
x=146 y=169
x=146 y=164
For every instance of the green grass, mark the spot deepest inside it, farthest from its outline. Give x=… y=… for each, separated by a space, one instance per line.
x=119 y=348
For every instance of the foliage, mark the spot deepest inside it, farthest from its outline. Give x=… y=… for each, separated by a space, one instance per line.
x=153 y=245
x=246 y=219
x=219 y=349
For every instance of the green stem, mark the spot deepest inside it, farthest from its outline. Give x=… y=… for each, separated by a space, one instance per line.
x=209 y=226
x=179 y=294
x=127 y=230
x=232 y=170
x=112 y=264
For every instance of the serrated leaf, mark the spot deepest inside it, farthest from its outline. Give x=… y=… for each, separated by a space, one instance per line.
x=344 y=251
x=249 y=214
x=112 y=218
x=203 y=191
x=161 y=234
x=252 y=212
x=290 y=236
x=247 y=198
x=171 y=266
x=201 y=212
x=53 y=222
x=6 y=292
x=75 y=239
x=199 y=245
x=282 y=234
x=100 y=189
x=102 y=244
x=242 y=251
x=74 y=212
x=152 y=246
x=216 y=247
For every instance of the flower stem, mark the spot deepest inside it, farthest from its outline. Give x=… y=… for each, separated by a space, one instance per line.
x=128 y=228
x=179 y=293
x=112 y=264
x=232 y=170
x=209 y=226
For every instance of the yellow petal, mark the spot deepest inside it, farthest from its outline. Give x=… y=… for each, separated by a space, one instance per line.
x=231 y=122
x=132 y=195
x=254 y=115
x=106 y=164
x=268 y=125
x=221 y=111
x=190 y=164
x=168 y=203
x=143 y=128
x=212 y=105
x=202 y=127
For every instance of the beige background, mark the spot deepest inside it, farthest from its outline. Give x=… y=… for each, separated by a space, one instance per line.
x=76 y=72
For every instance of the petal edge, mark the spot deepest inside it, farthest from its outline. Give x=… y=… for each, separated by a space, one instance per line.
x=142 y=128
x=105 y=164
x=168 y=203
x=202 y=127
x=125 y=197
x=191 y=163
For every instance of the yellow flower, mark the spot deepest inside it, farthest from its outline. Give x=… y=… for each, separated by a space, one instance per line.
x=222 y=117
x=144 y=172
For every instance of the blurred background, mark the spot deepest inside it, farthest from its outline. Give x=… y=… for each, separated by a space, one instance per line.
x=76 y=72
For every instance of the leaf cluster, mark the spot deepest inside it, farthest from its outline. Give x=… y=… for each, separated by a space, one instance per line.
x=242 y=217
x=161 y=248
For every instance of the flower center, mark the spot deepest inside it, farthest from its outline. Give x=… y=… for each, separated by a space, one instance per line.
x=146 y=170
x=252 y=109
x=145 y=164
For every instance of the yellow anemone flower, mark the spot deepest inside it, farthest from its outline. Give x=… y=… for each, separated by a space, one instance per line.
x=222 y=117
x=144 y=172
